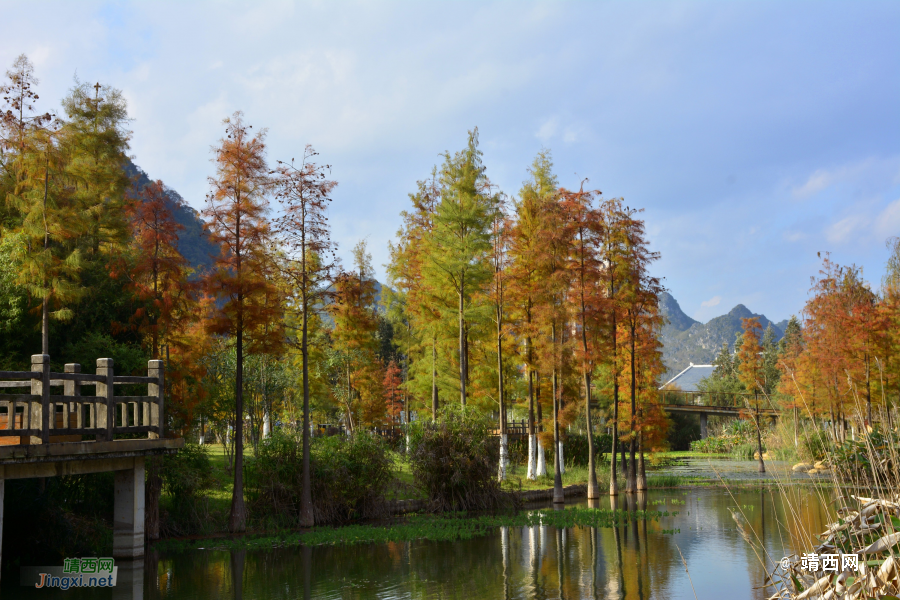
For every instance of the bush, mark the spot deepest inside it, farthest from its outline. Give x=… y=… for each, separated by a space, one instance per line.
x=872 y=462
x=454 y=462
x=186 y=477
x=711 y=445
x=576 y=449
x=349 y=477
x=814 y=445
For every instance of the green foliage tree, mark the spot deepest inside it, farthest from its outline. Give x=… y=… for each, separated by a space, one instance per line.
x=459 y=244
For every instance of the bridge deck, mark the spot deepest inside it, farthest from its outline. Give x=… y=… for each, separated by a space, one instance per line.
x=731 y=411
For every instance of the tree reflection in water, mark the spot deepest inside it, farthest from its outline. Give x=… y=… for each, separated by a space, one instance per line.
x=635 y=561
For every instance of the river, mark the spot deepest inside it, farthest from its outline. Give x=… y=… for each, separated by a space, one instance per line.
x=638 y=560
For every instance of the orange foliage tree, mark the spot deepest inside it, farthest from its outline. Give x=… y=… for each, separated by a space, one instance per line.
x=236 y=209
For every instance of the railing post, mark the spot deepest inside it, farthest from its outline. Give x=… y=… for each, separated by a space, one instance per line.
x=156 y=369
x=39 y=416
x=73 y=390
x=107 y=392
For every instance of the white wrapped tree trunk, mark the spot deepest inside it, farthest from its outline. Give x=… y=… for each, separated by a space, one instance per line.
x=504 y=456
x=267 y=425
x=532 y=458
x=541 y=460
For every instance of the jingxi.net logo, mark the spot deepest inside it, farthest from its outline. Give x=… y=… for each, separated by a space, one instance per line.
x=75 y=572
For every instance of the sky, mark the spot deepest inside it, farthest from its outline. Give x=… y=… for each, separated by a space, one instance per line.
x=754 y=135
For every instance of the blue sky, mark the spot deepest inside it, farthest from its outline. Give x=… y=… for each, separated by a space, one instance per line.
x=753 y=134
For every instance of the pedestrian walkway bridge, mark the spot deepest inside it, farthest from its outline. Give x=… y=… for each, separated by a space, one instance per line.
x=45 y=433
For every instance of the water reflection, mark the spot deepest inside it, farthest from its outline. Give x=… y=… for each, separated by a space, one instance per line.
x=636 y=560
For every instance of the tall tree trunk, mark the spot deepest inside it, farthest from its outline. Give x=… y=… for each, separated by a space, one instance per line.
x=762 y=465
x=558 y=495
x=642 y=471
x=462 y=350
x=306 y=506
x=434 y=388
x=630 y=476
x=539 y=448
x=238 y=520
x=613 y=482
x=503 y=433
x=532 y=444
x=45 y=301
x=593 y=490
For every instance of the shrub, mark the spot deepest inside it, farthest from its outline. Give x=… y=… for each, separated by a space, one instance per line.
x=873 y=461
x=186 y=477
x=814 y=445
x=576 y=449
x=711 y=445
x=454 y=462
x=349 y=477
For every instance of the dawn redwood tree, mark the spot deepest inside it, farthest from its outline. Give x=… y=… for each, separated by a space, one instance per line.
x=552 y=315
x=500 y=265
x=158 y=279
x=752 y=372
x=95 y=139
x=790 y=349
x=353 y=336
x=586 y=267
x=303 y=190
x=35 y=187
x=422 y=303
x=523 y=281
x=236 y=212
x=393 y=393
x=460 y=241
x=613 y=254
x=641 y=294
x=158 y=276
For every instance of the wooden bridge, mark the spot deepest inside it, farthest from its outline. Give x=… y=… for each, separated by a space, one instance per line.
x=43 y=434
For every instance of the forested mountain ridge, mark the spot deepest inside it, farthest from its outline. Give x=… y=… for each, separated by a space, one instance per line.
x=193 y=241
x=687 y=341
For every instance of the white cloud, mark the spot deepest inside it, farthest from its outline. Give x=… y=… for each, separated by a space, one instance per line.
x=888 y=222
x=794 y=236
x=872 y=172
x=817 y=182
x=714 y=301
x=846 y=228
x=548 y=129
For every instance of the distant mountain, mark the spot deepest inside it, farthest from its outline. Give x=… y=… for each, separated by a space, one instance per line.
x=687 y=341
x=193 y=241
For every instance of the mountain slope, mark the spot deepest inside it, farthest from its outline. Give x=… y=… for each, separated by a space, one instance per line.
x=193 y=241
x=687 y=341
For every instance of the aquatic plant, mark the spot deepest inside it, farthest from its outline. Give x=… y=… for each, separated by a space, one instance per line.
x=445 y=527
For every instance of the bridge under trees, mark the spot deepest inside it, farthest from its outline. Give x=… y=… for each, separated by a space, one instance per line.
x=45 y=434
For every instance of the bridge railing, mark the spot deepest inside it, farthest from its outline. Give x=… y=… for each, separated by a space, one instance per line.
x=718 y=399
x=42 y=417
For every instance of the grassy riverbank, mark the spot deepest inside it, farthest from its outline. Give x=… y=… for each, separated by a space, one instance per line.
x=217 y=499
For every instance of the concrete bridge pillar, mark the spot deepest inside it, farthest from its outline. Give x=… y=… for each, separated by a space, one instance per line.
x=703 y=428
x=128 y=513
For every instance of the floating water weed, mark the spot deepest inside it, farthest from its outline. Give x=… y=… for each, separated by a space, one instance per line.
x=446 y=527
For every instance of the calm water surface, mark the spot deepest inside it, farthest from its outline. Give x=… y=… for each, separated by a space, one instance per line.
x=635 y=561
